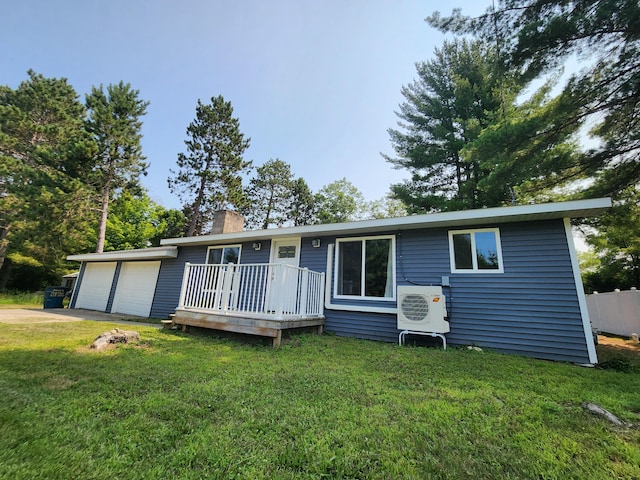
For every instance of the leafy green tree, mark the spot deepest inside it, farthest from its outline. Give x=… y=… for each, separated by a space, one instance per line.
x=269 y=195
x=168 y=223
x=338 y=202
x=537 y=36
x=457 y=94
x=615 y=238
x=45 y=160
x=114 y=124
x=135 y=221
x=385 y=207
x=209 y=175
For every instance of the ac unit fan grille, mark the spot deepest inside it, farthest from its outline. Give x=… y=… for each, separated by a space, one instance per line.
x=415 y=308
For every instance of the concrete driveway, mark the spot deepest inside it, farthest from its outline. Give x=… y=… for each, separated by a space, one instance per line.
x=56 y=315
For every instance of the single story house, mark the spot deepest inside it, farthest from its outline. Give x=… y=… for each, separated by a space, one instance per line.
x=509 y=278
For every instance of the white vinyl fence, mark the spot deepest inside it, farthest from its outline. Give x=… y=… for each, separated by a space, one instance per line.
x=615 y=312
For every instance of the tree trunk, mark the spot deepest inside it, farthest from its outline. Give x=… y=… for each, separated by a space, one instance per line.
x=195 y=214
x=104 y=210
x=5 y=273
x=4 y=242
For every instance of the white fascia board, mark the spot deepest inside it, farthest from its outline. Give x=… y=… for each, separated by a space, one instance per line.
x=157 y=253
x=543 y=211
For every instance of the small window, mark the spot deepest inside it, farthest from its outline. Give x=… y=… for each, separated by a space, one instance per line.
x=475 y=251
x=224 y=254
x=365 y=268
x=287 y=251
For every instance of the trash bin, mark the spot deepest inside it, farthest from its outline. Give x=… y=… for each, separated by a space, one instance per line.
x=53 y=297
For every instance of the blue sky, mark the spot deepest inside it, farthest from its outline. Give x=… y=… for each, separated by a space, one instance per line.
x=313 y=83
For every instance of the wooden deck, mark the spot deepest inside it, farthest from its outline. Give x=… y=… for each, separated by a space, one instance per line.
x=243 y=324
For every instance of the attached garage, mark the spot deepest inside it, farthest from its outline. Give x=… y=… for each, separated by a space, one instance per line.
x=136 y=287
x=94 y=290
x=120 y=282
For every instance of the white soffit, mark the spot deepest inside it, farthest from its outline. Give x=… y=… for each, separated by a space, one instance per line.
x=518 y=213
x=155 y=253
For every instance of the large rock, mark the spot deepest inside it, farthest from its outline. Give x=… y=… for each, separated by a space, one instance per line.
x=114 y=336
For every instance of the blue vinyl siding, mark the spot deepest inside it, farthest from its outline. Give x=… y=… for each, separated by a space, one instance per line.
x=370 y=326
x=167 y=293
x=530 y=309
x=76 y=289
x=249 y=255
x=114 y=284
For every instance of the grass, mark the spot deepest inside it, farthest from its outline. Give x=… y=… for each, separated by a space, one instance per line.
x=21 y=299
x=194 y=406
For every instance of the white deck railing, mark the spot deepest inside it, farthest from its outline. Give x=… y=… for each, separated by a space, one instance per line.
x=270 y=291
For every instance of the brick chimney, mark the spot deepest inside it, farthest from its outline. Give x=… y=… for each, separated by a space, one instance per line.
x=227 y=221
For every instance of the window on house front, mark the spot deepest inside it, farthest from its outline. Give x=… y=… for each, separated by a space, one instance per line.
x=475 y=251
x=365 y=267
x=287 y=251
x=224 y=254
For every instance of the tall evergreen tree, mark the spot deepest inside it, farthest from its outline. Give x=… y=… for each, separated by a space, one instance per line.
x=537 y=36
x=209 y=174
x=457 y=95
x=114 y=122
x=44 y=166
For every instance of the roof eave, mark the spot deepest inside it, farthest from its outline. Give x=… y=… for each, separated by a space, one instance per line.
x=543 y=211
x=157 y=253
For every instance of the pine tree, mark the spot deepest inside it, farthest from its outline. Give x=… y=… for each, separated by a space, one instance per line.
x=457 y=95
x=114 y=124
x=209 y=174
x=536 y=37
x=45 y=161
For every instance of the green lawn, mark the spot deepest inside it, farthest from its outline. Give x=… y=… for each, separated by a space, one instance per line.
x=194 y=406
x=21 y=299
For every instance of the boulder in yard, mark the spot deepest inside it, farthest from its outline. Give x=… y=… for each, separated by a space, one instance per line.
x=114 y=336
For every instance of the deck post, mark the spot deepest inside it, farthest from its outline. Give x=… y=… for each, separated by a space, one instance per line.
x=183 y=289
x=281 y=293
x=303 y=289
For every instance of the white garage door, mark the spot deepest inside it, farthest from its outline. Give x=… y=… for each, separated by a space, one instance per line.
x=96 y=285
x=136 y=286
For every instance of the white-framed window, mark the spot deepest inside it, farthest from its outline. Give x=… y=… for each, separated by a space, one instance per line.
x=223 y=254
x=365 y=268
x=475 y=251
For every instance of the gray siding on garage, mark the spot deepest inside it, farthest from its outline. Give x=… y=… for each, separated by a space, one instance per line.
x=114 y=284
x=167 y=293
x=530 y=309
x=76 y=288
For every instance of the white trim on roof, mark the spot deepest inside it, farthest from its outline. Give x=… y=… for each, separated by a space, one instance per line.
x=543 y=211
x=155 y=253
x=582 y=299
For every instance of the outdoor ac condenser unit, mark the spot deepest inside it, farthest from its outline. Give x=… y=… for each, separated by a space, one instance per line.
x=422 y=309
